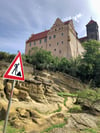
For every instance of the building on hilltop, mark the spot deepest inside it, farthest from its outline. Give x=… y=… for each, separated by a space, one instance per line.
x=92 y=31
x=61 y=39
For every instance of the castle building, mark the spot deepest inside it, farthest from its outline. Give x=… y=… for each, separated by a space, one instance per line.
x=92 y=31
x=61 y=39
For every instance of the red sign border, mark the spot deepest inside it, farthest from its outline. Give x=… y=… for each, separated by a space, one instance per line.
x=10 y=67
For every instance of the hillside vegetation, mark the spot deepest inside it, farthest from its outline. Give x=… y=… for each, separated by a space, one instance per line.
x=86 y=68
x=57 y=96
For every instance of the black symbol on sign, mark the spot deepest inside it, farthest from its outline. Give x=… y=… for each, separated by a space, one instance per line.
x=16 y=69
x=19 y=74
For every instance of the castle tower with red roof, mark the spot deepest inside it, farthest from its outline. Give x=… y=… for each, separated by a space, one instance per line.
x=92 y=30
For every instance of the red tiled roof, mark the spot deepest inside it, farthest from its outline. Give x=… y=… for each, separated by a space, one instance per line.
x=66 y=22
x=42 y=34
x=83 y=38
x=38 y=36
x=91 y=21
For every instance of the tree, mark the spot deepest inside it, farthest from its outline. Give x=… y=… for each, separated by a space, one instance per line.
x=41 y=59
x=90 y=63
x=63 y=65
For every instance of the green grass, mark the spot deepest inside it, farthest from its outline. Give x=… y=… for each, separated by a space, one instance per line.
x=75 y=109
x=65 y=95
x=90 y=94
x=88 y=130
x=65 y=101
x=58 y=110
x=62 y=94
x=54 y=126
x=11 y=129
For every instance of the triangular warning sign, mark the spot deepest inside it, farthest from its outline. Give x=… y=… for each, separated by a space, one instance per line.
x=15 y=71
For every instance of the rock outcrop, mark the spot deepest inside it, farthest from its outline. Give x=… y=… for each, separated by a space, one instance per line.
x=37 y=106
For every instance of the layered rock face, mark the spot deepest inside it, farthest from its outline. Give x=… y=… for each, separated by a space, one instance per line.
x=36 y=104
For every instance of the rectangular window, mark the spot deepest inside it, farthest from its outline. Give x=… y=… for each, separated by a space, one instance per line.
x=60 y=51
x=49 y=37
x=30 y=44
x=54 y=36
x=62 y=42
x=57 y=43
x=49 y=45
x=62 y=34
x=45 y=39
x=54 y=49
x=34 y=43
x=40 y=41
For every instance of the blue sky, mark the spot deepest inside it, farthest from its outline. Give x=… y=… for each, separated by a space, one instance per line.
x=21 y=18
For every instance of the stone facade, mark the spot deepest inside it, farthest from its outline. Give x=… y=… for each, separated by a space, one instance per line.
x=61 y=40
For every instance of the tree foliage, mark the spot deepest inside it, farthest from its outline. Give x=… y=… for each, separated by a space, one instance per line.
x=6 y=56
x=89 y=69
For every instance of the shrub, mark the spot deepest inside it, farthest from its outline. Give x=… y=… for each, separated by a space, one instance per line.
x=75 y=109
x=89 y=94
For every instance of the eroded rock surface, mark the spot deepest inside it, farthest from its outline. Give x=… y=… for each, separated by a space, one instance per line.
x=37 y=106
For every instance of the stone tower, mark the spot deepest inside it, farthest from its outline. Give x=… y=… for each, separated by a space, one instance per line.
x=92 y=30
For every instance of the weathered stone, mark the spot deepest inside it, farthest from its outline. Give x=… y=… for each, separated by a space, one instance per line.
x=82 y=121
x=23 y=113
x=2 y=111
x=17 y=123
x=2 y=94
x=16 y=92
x=22 y=95
x=1 y=86
x=32 y=81
x=96 y=107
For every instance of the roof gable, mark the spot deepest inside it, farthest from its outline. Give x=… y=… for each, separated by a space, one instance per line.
x=44 y=33
x=67 y=22
x=58 y=22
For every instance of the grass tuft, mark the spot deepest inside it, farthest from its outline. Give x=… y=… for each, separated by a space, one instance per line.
x=58 y=110
x=54 y=126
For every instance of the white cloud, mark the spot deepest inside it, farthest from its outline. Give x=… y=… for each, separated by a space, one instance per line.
x=77 y=17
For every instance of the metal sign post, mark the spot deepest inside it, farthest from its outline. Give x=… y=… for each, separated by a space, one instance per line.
x=14 y=72
x=8 y=109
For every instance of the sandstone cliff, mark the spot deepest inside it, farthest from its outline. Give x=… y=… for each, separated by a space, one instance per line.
x=36 y=104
